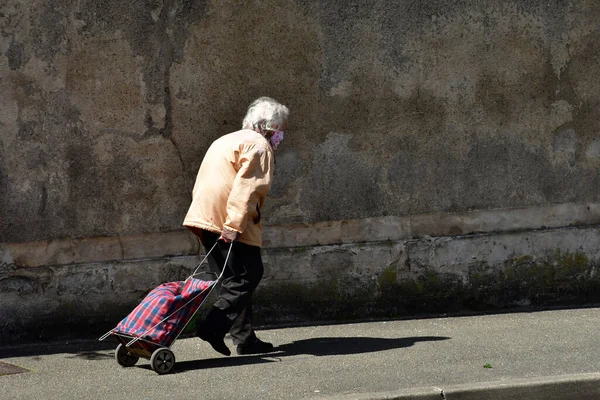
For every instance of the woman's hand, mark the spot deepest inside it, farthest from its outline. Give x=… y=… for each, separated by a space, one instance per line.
x=228 y=235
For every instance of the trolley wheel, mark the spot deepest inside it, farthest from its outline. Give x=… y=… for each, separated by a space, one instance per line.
x=162 y=361
x=124 y=358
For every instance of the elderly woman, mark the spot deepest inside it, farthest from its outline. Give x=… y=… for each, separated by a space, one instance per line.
x=230 y=189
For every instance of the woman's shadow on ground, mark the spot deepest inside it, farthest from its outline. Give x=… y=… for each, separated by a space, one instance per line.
x=325 y=346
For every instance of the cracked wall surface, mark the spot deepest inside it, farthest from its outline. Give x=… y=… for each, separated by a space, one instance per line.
x=397 y=108
x=409 y=119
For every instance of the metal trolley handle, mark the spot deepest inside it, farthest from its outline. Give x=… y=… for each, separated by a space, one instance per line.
x=206 y=257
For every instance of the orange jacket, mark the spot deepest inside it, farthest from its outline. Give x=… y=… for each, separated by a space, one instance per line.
x=232 y=184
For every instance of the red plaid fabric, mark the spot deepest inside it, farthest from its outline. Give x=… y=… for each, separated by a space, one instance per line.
x=161 y=302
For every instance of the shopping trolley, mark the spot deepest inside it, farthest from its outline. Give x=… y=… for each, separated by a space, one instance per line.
x=154 y=325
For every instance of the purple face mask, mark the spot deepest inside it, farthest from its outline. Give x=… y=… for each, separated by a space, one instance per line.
x=276 y=138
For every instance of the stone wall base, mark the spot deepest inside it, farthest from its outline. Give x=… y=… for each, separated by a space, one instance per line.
x=479 y=272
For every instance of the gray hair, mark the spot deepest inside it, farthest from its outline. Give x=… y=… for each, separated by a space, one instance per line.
x=264 y=114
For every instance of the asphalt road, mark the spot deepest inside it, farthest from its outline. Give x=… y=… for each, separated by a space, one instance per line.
x=328 y=361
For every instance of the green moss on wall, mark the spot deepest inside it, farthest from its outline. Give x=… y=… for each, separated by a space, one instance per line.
x=388 y=277
x=558 y=278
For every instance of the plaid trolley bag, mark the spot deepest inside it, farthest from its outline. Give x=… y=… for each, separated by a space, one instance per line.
x=153 y=326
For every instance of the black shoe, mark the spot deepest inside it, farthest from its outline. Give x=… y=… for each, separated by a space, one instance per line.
x=214 y=340
x=255 y=347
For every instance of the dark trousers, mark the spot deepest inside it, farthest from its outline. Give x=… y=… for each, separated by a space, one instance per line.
x=233 y=309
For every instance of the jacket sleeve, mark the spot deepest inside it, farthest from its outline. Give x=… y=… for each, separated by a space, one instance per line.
x=252 y=182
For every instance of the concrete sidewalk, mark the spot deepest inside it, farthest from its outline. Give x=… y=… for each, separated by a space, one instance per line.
x=540 y=355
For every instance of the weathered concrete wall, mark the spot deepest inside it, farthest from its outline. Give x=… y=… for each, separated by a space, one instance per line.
x=374 y=267
x=398 y=108
x=406 y=116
